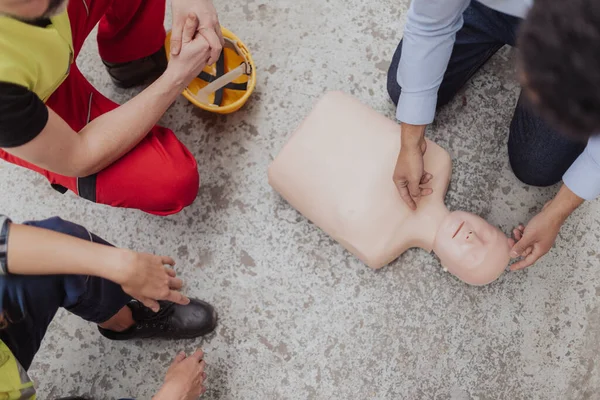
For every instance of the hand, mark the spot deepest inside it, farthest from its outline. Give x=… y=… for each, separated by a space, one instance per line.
x=185 y=378
x=409 y=174
x=193 y=56
x=207 y=25
x=146 y=278
x=536 y=239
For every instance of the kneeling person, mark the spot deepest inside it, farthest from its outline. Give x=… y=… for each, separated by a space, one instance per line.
x=53 y=121
x=54 y=263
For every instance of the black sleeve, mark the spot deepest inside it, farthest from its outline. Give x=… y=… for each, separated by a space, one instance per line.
x=22 y=115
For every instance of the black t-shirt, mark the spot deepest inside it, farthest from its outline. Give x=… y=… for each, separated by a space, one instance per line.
x=23 y=115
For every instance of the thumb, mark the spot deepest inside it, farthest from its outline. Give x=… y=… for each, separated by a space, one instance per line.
x=414 y=189
x=176 y=34
x=520 y=246
x=151 y=304
x=189 y=30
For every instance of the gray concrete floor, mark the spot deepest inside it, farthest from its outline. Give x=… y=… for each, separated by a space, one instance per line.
x=300 y=317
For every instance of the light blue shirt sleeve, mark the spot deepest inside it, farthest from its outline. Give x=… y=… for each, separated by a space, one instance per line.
x=583 y=177
x=426 y=48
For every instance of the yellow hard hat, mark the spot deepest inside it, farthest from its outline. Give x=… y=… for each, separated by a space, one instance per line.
x=225 y=86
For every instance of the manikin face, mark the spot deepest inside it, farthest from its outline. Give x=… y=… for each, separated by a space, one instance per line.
x=30 y=10
x=471 y=249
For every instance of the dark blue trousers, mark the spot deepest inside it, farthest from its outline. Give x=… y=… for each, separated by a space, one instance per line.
x=539 y=155
x=30 y=302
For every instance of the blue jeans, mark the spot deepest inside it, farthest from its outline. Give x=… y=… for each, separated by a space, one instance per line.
x=30 y=302
x=539 y=155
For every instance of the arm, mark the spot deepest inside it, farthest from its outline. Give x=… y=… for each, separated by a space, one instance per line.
x=106 y=139
x=69 y=255
x=35 y=251
x=60 y=149
x=426 y=49
x=581 y=182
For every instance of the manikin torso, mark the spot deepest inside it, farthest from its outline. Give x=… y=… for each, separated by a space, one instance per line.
x=336 y=169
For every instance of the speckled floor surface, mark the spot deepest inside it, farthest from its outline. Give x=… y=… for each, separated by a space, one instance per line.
x=300 y=317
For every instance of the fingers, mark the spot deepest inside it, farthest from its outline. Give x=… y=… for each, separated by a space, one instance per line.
x=528 y=261
x=414 y=189
x=151 y=304
x=178 y=298
x=189 y=29
x=175 y=283
x=426 y=191
x=171 y=272
x=220 y=34
x=168 y=261
x=518 y=235
x=176 y=34
x=426 y=178
x=403 y=189
x=523 y=242
x=214 y=42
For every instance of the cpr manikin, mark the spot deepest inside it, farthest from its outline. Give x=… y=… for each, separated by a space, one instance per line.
x=336 y=170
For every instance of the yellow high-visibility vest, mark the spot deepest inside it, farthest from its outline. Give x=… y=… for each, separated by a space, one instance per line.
x=34 y=57
x=14 y=382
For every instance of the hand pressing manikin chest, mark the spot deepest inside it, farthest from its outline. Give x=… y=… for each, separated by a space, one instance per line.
x=336 y=169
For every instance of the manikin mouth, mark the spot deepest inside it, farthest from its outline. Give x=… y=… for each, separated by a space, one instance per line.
x=458 y=230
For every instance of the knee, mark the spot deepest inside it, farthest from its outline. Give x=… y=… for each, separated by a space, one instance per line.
x=532 y=171
x=177 y=188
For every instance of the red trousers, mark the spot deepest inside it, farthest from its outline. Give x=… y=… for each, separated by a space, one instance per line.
x=159 y=176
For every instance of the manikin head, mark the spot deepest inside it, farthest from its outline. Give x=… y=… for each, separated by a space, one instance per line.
x=471 y=249
x=32 y=9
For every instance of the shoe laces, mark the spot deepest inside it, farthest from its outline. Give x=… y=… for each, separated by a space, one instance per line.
x=145 y=318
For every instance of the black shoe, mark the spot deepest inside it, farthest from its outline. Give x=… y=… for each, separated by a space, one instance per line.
x=172 y=321
x=137 y=72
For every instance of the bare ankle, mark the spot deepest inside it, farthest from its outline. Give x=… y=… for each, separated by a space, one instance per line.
x=119 y=322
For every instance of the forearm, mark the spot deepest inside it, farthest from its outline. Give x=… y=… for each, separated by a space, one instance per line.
x=110 y=136
x=564 y=203
x=426 y=49
x=37 y=251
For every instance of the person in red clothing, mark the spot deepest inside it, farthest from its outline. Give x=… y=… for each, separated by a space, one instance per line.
x=80 y=140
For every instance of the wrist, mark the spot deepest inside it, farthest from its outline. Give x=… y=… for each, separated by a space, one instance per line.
x=564 y=203
x=174 y=78
x=412 y=135
x=118 y=265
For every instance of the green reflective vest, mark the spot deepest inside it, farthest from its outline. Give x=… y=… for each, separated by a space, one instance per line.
x=14 y=382
x=35 y=57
